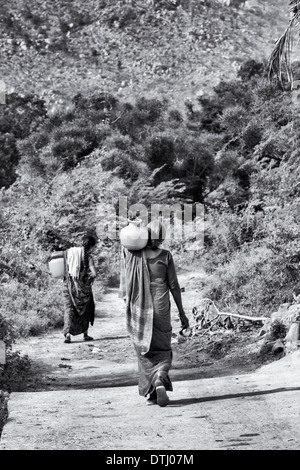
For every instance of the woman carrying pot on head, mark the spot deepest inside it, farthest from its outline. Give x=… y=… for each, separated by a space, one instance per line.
x=148 y=276
x=77 y=290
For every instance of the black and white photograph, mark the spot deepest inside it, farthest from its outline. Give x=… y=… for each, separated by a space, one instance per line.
x=150 y=228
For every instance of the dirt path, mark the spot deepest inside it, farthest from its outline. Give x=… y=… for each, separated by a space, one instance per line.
x=84 y=395
x=109 y=360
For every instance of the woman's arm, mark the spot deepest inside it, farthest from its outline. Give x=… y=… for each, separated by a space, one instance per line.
x=122 y=286
x=92 y=266
x=176 y=292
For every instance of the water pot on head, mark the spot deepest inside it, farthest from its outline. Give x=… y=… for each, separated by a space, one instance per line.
x=134 y=236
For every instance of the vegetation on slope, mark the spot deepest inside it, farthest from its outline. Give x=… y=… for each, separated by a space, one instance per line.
x=71 y=148
x=132 y=48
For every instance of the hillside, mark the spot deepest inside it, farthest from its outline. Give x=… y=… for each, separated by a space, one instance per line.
x=176 y=48
x=160 y=102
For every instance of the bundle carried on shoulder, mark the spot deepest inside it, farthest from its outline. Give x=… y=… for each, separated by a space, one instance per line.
x=74 y=260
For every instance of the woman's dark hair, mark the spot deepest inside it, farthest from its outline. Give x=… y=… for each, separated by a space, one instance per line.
x=156 y=230
x=88 y=242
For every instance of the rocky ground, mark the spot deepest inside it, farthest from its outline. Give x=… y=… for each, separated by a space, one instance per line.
x=132 y=48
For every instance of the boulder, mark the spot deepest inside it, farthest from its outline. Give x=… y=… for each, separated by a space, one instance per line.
x=289 y=315
x=292 y=339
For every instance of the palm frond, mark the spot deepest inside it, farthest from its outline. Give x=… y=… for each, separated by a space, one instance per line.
x=280 y=58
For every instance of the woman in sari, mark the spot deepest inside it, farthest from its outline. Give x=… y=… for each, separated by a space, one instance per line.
x=77 y=290
x=147 y=278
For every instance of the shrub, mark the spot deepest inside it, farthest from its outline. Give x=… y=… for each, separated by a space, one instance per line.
x=251 y=68
x=72 y=142
x=98 y=102
x=278 y=329
x=9 y=158
x=123 y=165
x=32 y=311
x=15 y=372
x=22 y=114
x=160 y=151
x=16 y=368
x=175 y=117
x=18 y=118
x=245 y=283
x=252 y=135
x=133 y=119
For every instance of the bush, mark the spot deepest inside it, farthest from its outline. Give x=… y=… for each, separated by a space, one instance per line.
x=9 y=158
x=134 y=118
x=31 y=311
x=18 y=118
x=278 y=330
x=16 y=368
x=246 y=282
x=160 y=151
x=123 y=165
x=15 y=373
x=74 y=141
x=251 y=68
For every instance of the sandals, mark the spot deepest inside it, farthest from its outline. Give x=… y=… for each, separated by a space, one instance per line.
x=88 y=338
x=162 y=397
x=67 y=338
x=152 y=400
